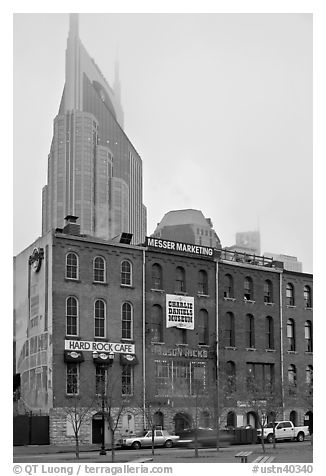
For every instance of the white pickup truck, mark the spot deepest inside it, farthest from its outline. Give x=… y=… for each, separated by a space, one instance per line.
x=284 y=430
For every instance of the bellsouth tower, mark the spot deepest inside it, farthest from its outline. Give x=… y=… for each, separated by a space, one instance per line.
x=94 y=172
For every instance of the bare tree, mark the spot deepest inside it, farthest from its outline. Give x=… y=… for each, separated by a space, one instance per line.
x=266 y=403
x=79 y=410
x=114 y=403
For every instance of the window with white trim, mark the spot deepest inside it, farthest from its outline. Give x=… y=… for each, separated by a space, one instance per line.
x=72 y=271
x=71 y=316
x=99 y=318
x=99 y=270
x=126 y=319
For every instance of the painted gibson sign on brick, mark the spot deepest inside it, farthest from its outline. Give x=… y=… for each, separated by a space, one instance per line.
x=180 y=352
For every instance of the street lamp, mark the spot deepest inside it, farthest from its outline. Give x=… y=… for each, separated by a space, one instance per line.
x=103 y=452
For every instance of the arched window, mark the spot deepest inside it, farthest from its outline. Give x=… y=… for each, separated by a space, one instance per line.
x=72 y=316
x=156 y=325
x=99 y=318
x=72 y=266
x=307 y=296
x=290 y=294
x=290 y=334
x=228 y=286
x=271 y=417
x=99 y=269
x=248 y=289
x=250 y=331
x=268 y=291
x=308 y=335
x=294 y=417
x=203 y=332
x=252 y=419
x=230 y=376
x=309 y=375
x=231 y=420
x=204 y=419
x=126 y=273
x=158 y=419
x=157 y=277
x=292 y=379
x=229 y=330
x=202 y=282
x=126 y=318
x=269 y=332
x=180 y=279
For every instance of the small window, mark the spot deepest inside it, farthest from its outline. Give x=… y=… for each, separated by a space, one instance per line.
x=126 y=320
x=100 y=380
x=99 y=269
x=290 y=333
x=72 y=316
x=309 y=375
x=250 y=331
x=308 y=336
x=71 y=266
x=230 y=376
x=156 y=325
x=248 y=289
x=157 y=276
x=202 y=282
x=180 y=280
x=72 y=379
x=183 y=336
x=290 y=294
x=228 y=286
x=307 y=296
x=99 y=317
x=203 y=333
x=269 y=332
x=126 y=273
x=268 y=291
x=127 y=380
x=229 y=330
x=292 y=376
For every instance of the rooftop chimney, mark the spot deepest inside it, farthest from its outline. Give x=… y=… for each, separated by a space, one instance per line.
x=71 y=227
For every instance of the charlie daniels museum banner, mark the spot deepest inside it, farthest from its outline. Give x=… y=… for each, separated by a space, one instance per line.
x=179 y=311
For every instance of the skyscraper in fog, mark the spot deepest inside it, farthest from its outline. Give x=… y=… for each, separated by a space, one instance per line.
x=94 y=172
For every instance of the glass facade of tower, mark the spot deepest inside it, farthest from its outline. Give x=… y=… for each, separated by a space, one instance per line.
x=94 y=172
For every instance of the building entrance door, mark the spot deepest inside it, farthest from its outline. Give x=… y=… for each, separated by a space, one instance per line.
x=182 y=421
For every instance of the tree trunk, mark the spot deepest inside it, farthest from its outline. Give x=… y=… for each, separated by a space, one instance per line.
x=77 y=446
x=262 y=438
x=153 y=440
x=196 y=442
x=112 y=447
x=217 y=438
x=274 y=439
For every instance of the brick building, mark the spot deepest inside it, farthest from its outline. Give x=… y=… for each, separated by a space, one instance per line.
x=157 y=324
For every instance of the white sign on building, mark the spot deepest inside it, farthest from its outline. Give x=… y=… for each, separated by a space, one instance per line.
x=180 y=311
x=119 y=348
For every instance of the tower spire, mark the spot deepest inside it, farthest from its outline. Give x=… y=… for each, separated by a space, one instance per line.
x=73 y=25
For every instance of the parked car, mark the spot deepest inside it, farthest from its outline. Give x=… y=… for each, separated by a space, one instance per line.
x=205 y=437
x=284 y=430
x=161 y=438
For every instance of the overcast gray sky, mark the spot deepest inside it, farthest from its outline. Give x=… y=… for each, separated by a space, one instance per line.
x=219 y=107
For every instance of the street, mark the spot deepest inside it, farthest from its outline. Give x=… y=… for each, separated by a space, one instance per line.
x=285 y=452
